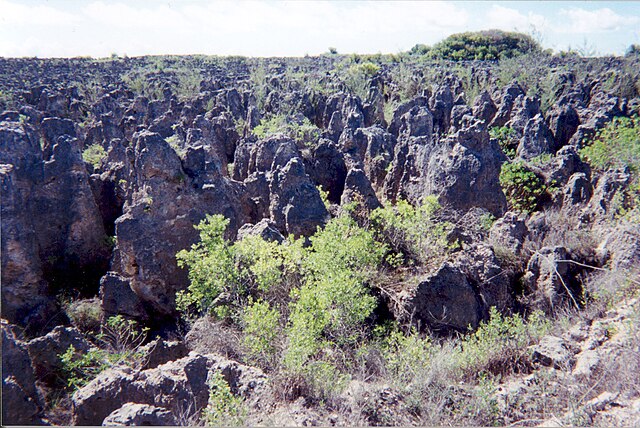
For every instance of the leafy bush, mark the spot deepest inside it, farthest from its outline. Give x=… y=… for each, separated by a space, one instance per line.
x=94 y=154
x=223 y=275
x=79 y=369
x=616 y=146
x=414 y=232
x=333 y=303
x=501 y=343
x=484 y=45
x=211 y=269
x=223 y=408
x=357 y=78
x=522 y=187
x=507 y=139
x=406 y=356
x=261 y=325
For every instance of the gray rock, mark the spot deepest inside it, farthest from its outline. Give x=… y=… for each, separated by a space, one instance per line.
x=441 y=300
x=509 y=231
x=326 y=167
x=158 y=220
x=549 y=279
x=553 y=351
x=45 y=352
x=578 y=190
x=175 y=386
x=265 y=228
x=21 y=402
x=358 y=189
x=160 y=351
x=296 y=207
x=621 y=246
x=563 y=122
x=484 y=108
x=537 y=139
x=118 y=298
x=133 y=414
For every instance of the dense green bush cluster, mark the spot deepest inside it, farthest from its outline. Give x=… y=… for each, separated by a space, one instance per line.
x=94 y=154
x=484 y=45
x=523 y=188
x=507 y=139
x=415 y=234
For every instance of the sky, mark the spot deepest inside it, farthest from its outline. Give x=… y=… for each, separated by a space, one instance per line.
x=99 y=28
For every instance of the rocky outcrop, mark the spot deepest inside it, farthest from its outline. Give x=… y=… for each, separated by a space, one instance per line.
x=550 y=279
x=132 y=414
x=178 y=386
x=443 y=300
x=158 y=221
x=21 y=401
x=45 y=352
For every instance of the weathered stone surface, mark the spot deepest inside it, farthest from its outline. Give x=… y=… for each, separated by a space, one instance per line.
x=484 y=108
x=537 y=139
x=441 y=300
x=117 y=298
x=158 y=221
x=509 y=231
x=549 y=279
x=358 y=190
x=326 y=167
x=553 y=351
x=45 y=352
x=21 y=402
x=133 y=414
x=296 y=206
x=265 y=229
x=160 y=351
x=174 y=386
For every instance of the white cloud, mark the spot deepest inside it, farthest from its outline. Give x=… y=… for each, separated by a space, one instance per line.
x=589 y=21
x=269 y=28
x=15 y=14
x=505 y=18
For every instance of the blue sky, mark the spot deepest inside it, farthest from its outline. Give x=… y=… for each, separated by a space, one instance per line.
x=67 y=28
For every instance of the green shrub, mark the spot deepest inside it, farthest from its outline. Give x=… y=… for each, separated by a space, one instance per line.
x=223 y=408
x=617 y=146
x=212 y=270
x=507 y=139
x=406 y=356
x=94 y=154
x=122 y=335
x=484 y=45
x=301 y=129
x=357 y=78
x=121 y=338
x=80 y=368
x=331 y=306
x=522 y=187
x=261 y=326
x=414 y=232
x=500 y=344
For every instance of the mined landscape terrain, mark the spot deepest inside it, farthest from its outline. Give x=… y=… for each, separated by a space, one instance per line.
x=446 y=236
